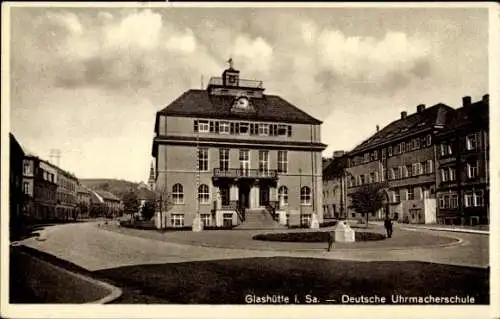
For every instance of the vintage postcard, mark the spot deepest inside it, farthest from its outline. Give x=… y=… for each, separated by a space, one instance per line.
x=249 y=160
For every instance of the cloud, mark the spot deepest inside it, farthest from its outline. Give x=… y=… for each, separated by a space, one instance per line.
x=256 y=53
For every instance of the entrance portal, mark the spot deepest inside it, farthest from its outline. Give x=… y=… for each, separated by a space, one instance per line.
x=244 y=196
x=264 y=195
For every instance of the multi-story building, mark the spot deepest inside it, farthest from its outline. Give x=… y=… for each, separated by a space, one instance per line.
x=66 y=197
x=39 y=188
x=15 y=185
x=334 y=187
x=404 y=155
x=463 y=176
x=83 y=196
x=230 y=151
x=104 y=203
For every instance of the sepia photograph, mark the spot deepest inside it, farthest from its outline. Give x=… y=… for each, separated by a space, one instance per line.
x=283 y=160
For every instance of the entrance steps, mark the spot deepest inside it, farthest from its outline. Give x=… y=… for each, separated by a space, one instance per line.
x=259 y=219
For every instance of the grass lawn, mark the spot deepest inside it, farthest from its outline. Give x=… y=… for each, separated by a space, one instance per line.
x=229 y=281
x=314 y=237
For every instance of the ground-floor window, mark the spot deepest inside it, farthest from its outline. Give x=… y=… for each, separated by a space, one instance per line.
x=227 y=220
x=206 y=219
x=177 y=220
x=305 y=220
x=448 y=201
x=474 y=199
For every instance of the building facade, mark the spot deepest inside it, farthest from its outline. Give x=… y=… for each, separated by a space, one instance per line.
x=15 y=185
x=66 y=195
x=403 y=154
x=334 y=187
x=83 y=196
x=104 y=203
x=231 y=150
x=39 y=188
x=463 y=155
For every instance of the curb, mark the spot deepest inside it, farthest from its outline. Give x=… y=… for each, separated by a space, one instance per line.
x=455 y=230
x=113 y=295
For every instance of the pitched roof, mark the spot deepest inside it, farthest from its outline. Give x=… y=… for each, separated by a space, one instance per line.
x=199 y=103
x=436 y=115
x=106 y=195
x=475 y=114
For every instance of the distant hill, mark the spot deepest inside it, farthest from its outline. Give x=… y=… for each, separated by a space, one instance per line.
x=117 y=187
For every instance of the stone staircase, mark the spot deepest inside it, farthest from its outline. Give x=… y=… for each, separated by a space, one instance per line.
x=259 y=219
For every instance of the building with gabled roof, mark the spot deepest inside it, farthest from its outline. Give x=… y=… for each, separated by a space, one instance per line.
x=232 y=154
x=403 y=155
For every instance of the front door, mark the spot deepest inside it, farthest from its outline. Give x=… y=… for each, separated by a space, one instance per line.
x=264 y=195
x=244 y=196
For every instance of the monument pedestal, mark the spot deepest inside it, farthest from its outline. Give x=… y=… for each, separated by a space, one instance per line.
x=343 y=233
x=197 y=224
x=314 y=221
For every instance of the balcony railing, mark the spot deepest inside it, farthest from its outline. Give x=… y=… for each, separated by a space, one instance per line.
x=245 y=173
x=217 y=81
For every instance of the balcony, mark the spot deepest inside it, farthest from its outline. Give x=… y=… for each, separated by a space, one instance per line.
x=253 y=84
x=245 y=173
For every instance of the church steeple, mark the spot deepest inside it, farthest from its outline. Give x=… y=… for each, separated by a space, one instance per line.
x=151 y=180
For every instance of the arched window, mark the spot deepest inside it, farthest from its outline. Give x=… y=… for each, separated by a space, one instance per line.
x=305 y=196
x=178 y=194
x=203 y=194
x=283 y=196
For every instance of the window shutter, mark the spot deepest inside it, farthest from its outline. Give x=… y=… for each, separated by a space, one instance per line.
x=253 y=129
x=237 y=128
x=196 y=125
x=212 y=127
x=232 y=128
x=289 y=130
x=217 y=127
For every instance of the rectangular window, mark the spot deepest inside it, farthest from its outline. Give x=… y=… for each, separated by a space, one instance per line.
x=203 y=127
x=375 y=155
x=389 y=151
x=453 y=201
x=264 y=162
x=397 y=149
x=383 y=154
x=478 y=198
x=414 y=169
x=420 y=169
x=361 y=180
x=224 y=159
x=472 y=170
x=444 y=175
x=469 y=200
x=264 y=129
x=305 y=220
x=382 y=177
x=244 y=128
x=282 y=162
x=452 y=174
x=397 y=196
x=177 y=220
x=27 y=168
x=429 y=140
x=366 y=158
x=430 y=167
x=227 y=220
x=282 y=130
x=203 y=159
x=26 y=188
x=375 y=179
x=471 y=142
x=244 y=162
x=397 y=173
x=411 y=193
x=392 y=175
x=443 y=201
x=224 y=128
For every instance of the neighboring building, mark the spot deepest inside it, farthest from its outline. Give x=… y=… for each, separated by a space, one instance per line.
x=144 y=194
x=463 y=177
x=39 y=188
x=15 y=185
x=403 y=154
x=334 y=187
x=66 y=196
x=231 y=152
x=104 y=203
x=83 y=196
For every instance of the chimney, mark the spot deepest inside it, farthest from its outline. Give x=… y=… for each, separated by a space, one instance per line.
x=486 y=98
x=378 y=128
x=466 y=101
x=403 y=114
x=420 y=108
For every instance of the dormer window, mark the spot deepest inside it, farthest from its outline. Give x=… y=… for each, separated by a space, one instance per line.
x=282 y=130
x=244 y=127
x=203 y=127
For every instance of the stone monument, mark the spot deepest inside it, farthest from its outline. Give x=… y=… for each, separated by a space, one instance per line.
x=314 y=221
x=343 y=232
x=197 y=224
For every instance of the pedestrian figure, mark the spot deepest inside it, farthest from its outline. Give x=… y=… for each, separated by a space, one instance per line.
x=388 y=226
x=331 y=239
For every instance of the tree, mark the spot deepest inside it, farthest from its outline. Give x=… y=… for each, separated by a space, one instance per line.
x=130 y=202
x=368 y=199
x=148 y=210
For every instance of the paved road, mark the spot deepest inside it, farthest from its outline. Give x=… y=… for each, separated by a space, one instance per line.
x=90 y=247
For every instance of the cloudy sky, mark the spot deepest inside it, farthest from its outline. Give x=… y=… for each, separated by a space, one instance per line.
x=89 y=81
